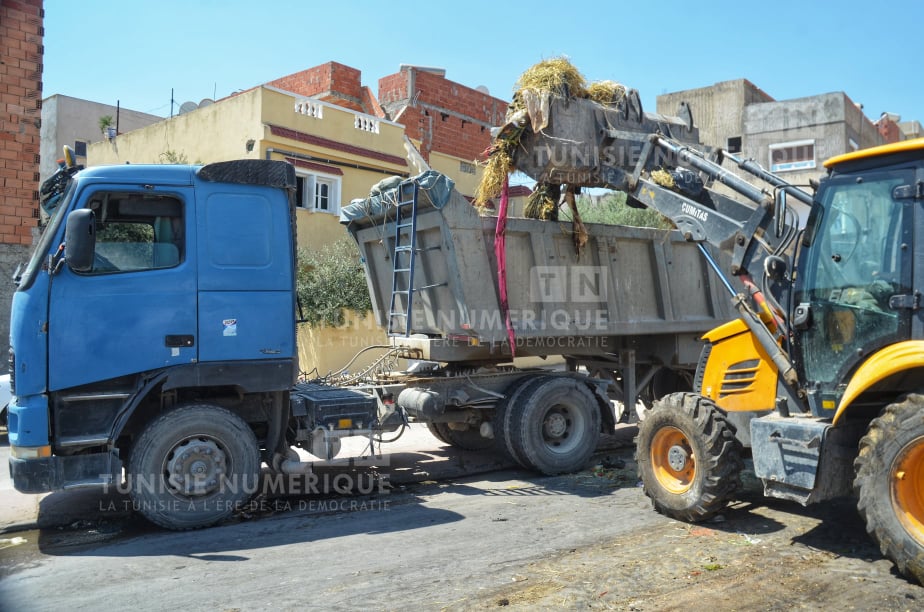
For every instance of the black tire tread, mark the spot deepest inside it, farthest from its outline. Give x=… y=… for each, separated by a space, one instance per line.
x=902 y=419
x=718 y=470
x=522 y=417
x=155 y=432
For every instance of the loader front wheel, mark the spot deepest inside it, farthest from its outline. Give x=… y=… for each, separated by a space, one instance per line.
x=688 y=458
x=890 y=483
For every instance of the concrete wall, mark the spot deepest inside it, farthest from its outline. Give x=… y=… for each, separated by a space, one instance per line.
x=832 y=121
x=218 y=132
x=718 y=110
x=66 y=120
x=330 y=349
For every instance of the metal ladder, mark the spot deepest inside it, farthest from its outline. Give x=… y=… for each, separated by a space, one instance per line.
x=402 y=279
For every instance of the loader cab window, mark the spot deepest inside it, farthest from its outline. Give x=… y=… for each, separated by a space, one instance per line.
x=859 y=258
x=136 y=232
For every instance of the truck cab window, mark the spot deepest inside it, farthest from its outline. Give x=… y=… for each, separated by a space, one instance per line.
x=137 y=232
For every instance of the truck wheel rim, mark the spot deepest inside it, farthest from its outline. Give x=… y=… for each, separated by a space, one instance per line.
x=195 y=466
x=561 y=427
x=908 y=488
x=672 y=460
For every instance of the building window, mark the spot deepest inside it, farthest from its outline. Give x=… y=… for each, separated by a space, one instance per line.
x=734 y=144
x=789 y=156
x=318 y=192
x=80 y=148
x=466 y=167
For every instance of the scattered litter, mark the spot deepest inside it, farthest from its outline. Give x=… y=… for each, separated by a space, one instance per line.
x=749 y=539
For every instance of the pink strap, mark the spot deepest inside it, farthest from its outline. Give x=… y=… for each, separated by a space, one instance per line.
x=500 y=252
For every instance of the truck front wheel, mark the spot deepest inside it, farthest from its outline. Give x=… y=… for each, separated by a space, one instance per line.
x=890 y=483
x=688 y=458
x=193 y=466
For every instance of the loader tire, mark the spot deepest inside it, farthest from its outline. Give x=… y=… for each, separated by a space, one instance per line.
x=890 y=484
x=688 y=458
x=554 y=425
x=193 y=466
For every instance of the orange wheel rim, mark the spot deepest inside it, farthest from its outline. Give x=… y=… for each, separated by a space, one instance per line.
x=908 y=489
x=672 y=460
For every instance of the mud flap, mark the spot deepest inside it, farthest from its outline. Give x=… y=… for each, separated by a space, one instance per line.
x=804 y=459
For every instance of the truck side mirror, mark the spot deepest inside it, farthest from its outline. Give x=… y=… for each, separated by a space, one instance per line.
x=80 y=239
x=779 y=211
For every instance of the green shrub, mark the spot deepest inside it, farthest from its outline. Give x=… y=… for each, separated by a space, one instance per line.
x=613 y=210
x=329 y=280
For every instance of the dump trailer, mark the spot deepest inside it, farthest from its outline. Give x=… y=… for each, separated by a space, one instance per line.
x=819 y=378
x=628 y=309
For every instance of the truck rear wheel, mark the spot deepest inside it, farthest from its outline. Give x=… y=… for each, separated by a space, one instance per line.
x=688 y=458
x=554 y=425
x=193 y=466
x=890 y=483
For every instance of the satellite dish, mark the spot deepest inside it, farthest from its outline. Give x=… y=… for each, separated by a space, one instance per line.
x=186 y=107
x=206 y=102
x=483 y=90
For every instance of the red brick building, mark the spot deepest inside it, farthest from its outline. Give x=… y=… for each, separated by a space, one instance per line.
x=21 y=52
x=443 y=116
x=21 y=58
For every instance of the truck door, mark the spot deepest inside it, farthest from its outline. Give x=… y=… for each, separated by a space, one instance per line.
x=135 y=311
x=854 y=293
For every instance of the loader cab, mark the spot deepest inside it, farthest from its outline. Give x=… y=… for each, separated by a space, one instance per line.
x=854 y=292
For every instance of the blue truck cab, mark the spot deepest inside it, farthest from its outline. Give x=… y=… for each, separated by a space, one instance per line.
x=153 y=333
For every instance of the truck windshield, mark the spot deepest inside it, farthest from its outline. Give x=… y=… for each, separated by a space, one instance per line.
x=44 y=244
x=858 y=260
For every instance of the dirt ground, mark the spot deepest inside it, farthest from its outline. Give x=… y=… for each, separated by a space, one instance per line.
x=761 y=554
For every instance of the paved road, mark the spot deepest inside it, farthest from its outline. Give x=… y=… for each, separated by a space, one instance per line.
x=499 y=539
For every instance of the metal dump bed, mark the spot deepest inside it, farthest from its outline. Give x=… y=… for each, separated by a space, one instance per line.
x=627 y=287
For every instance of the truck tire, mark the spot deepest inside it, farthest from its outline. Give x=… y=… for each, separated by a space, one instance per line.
x=467 y=439
x=193 y=466
x=554 y=425
x=502 y=412
x=688 y=458
x=435 y=431
x=890 y=481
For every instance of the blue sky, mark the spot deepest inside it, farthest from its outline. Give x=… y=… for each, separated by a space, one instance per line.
x=135 y=52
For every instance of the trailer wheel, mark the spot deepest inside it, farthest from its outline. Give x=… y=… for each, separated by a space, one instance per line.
x=502 y=413
x=435 y=430
x=467 y=439
x=193 y=466
x=554 y=425
x=890 y=483
x=688 y=458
